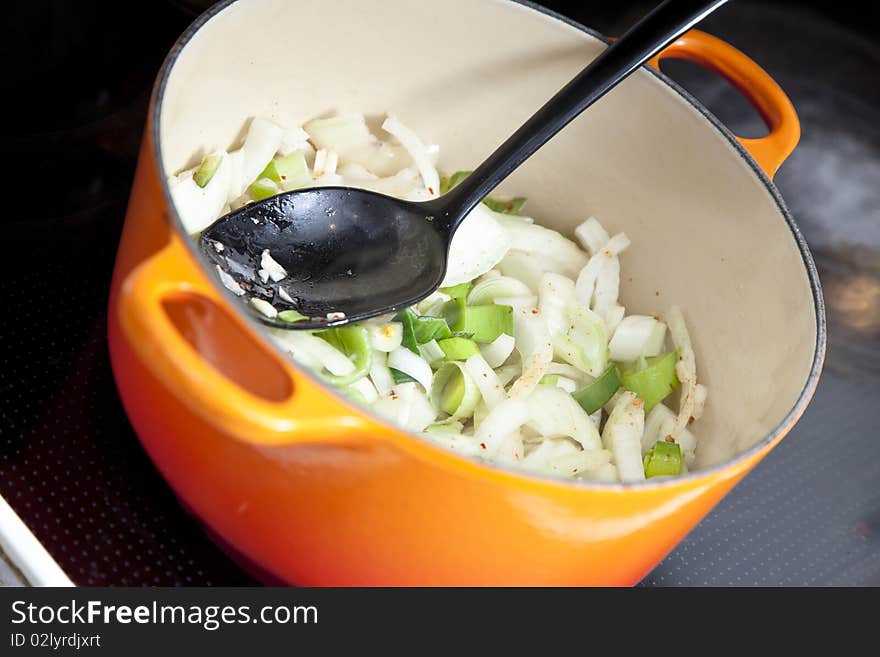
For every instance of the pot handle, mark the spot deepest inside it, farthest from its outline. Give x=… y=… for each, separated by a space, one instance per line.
x=308 y=415
x=755 y=84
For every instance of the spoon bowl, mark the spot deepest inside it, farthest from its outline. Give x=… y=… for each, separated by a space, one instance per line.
x=348 y=254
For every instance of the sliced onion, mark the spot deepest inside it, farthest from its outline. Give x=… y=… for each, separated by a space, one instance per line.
x=508 y=416
x=408 y=406
x=348 y=135
x=545 y=244
x=403 y=360
x=585 y=345
x=566 y=384
x=486 y=291
x=535 y=348
x=588 y=276
x=607 y=287
x=606 y=472
x=260 y=145
x=478 y=245
x=613 y=318
x=366 y=389
x=499 y=350
x=685 y=368
x=637 y=336
x=417 y=151
x=554 y=413
x=557 y=292
x=507 y=373
x=519 y=304
x=591 y=235
x=523 y=267
x=700 y=394
x=380 y=375
x=198 y=207
x=486 y=379
x=623 y=436
x=385 y=337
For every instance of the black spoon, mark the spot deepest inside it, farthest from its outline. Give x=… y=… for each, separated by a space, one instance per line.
x=364 y=254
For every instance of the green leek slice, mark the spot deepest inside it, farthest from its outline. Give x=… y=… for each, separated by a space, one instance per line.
x=485 y=323
x=354 y=342
x=457 y=348
x=427 y=328
x=595 y=394
x=407 y=318
x=652 y=380
x=207 y=169
x=662 y=459
x=263 y=188
x=454 y=392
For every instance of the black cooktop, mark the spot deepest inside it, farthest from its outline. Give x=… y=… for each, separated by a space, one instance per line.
x=71 y=466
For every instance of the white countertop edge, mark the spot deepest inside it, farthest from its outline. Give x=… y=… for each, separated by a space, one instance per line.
x=26 y=553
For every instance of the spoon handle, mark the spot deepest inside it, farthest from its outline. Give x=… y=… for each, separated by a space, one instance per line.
x=641 y=42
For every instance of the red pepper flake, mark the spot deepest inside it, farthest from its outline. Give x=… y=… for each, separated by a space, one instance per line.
x=485 y=376
x=483 y=445
x=283 y=177
x=692 y=420
x=669 y=439
x=430 y=190
x=535 y=311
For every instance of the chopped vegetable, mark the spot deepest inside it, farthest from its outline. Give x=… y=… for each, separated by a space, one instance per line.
x=454 y=391
x=426 y=329
x=510 y=206
x=485 y=323
x=456 y=348
x=584 y=345
x=263 y=188
x=291 y=316
x=622 y=435
x=264 y=307
x=637 y=336
x=487 y=291
x=664 y=459
x=355 y=344
x=448 y=183
x=288 y=172
x=654 y=381
x=458 y=291
x=499 y=350
x=207 y=169
x=432 y=353
x=404 y=360
x=407 y=319
x=594 y=395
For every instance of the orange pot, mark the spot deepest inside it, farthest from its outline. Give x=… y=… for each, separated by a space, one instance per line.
x=314 y=490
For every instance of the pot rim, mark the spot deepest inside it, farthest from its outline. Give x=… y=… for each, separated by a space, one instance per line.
x=471 y=464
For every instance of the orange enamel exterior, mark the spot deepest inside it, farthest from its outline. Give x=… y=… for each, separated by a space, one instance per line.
x=318 y=493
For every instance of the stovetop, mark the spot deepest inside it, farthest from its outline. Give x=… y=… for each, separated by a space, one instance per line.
x=71 y=466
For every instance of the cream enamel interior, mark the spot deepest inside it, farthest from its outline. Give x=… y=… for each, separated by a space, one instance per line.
x=706 y=232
